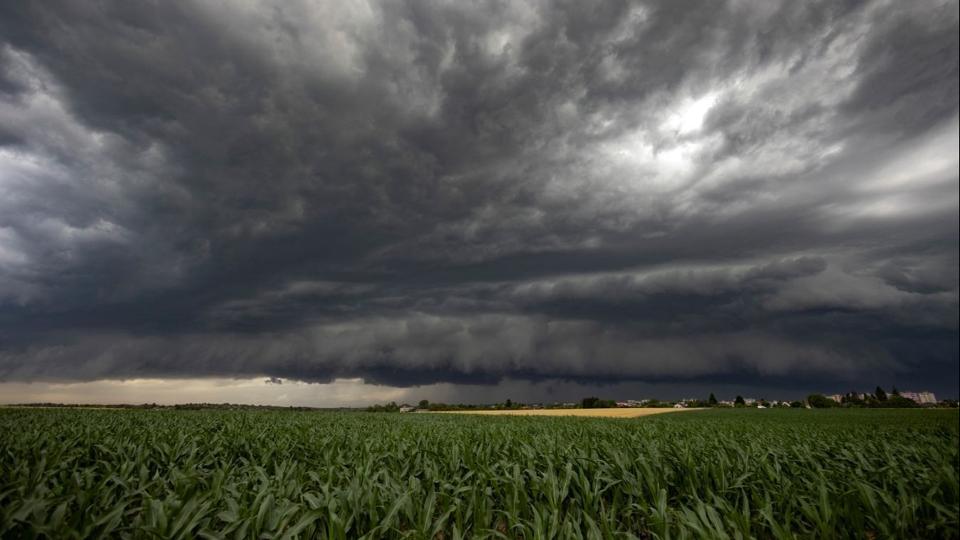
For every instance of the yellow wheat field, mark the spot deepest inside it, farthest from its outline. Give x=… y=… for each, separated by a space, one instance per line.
x=604 y=413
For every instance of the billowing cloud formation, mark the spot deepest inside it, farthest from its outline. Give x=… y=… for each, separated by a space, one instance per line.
x=448 y=192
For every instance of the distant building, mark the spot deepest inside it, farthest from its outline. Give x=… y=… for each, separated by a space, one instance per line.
x=836 y=397
x=920 y=397
x=407 y=408
x=631 y=403
x=680 y=406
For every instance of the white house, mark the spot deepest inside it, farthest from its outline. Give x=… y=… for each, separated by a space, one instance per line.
x=920 y=397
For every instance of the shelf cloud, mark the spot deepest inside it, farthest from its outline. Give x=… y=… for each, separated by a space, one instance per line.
x=450 y=193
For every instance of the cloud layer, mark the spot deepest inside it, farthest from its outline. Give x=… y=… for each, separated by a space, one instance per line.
x=432 y=192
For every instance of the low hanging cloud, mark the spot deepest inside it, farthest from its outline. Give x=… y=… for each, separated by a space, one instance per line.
x=416 y=193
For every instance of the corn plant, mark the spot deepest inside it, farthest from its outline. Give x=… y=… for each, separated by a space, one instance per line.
x=276 y=474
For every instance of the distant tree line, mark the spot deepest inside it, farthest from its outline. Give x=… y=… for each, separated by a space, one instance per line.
x=597 y=403
x=879 y=399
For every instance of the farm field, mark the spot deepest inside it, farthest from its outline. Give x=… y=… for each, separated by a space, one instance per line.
x=258 y=474
x=598 y=413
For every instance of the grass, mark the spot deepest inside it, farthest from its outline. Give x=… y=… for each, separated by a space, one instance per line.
x=258 y=474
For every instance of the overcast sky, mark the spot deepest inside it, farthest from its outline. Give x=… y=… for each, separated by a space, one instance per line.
x=470 y=201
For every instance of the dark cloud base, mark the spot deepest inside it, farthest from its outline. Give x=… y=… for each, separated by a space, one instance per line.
x=733 y=193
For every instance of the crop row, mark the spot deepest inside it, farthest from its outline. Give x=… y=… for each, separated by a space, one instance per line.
x=244 y=474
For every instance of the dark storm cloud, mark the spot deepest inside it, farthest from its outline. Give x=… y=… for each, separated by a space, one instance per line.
x=415 y=192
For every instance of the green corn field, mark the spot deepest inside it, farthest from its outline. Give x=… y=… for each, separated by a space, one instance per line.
x=278 y=474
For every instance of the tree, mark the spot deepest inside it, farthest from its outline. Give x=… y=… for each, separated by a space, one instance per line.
x=851 y=398
x=901 y=402
x=424 y=404
x=389 y=407
x=880 y=394
x=509 y=403
x=796 y=404
x=597 y=403
x=739 y=402
x=895 y=391
x=820 y=401
x=713 y=399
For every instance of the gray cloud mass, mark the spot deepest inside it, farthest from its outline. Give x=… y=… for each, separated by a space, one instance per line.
x=751 y=192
